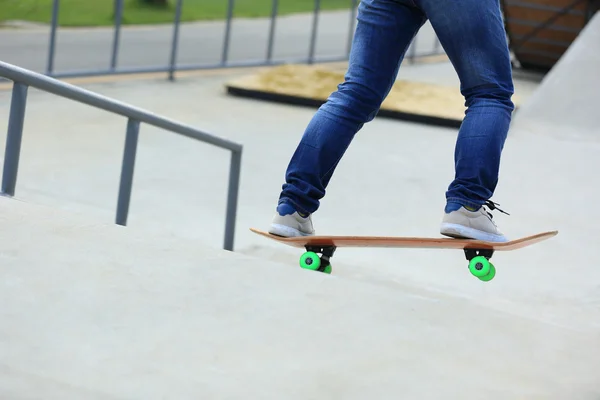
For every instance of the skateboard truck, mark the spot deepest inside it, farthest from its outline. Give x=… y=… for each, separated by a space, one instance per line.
x=311 y=259
x=479 y=263
x=472 y=253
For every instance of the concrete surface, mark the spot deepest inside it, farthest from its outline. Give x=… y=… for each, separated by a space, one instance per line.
x=156 y=310
x=72 y=153
x=200 y=43
x=103 y=312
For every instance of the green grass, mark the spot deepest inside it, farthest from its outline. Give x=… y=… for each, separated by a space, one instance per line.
x=100 y=12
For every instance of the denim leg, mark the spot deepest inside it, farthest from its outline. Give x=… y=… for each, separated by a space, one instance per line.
x=384 y=31
x=472 y=34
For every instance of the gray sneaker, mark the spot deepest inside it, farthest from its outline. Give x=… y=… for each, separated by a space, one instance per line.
x=287 y=222
x=475 y=224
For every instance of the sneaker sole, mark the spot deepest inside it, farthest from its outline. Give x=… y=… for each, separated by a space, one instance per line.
x=286 y=231
x=462 y=232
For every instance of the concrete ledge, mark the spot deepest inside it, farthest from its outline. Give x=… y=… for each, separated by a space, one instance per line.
x=307 y=85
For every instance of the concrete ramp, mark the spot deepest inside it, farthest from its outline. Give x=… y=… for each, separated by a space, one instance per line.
x=566 y=103
x=94 y=311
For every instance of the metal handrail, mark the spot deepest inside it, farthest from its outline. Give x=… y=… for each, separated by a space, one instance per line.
x=23 y=79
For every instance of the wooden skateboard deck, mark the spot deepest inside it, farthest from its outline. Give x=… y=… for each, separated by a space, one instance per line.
x=477 y=252
x=406 y=242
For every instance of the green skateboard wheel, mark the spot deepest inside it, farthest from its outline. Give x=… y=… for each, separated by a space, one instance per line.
x=310 y=260
x=327 y=269
x=479 y=266
x=490 y=275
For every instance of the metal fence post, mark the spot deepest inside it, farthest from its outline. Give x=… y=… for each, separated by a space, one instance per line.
x=227 y=38
x=127 y=168
x=232 y=198
x=413 y=50
x=117 y=33
x=274 y=12
x=14 y=137
x=313 y=37
x=353 y=5
x=175 y=42
x=52 y=45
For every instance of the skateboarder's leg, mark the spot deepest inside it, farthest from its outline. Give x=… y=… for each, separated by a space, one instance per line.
x=384 y=31
x=472 y=34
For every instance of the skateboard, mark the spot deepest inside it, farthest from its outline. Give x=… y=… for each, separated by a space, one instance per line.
x=477 y=252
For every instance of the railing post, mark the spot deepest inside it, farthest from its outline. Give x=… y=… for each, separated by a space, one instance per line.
x=14 y=137
x=52 y=44
x=175 y=41
x=227 y=35
x=413 y=50
x=116 y=33
x=313 y=36
x=127 y=168
x=232 y=198
x=274 y=12
x=353 y=5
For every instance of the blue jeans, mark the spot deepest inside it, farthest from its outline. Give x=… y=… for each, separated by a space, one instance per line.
x=472 y=34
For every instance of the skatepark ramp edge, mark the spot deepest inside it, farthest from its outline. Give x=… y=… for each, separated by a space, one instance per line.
x=23 y=79
x=549 y=111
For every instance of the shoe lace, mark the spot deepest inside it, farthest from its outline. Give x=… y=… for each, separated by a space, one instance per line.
x=493 y=206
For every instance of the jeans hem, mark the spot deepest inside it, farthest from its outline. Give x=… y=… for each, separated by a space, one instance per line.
x=465 y=202
x=295 y=205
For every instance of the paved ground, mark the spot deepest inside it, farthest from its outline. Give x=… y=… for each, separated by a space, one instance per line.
x=72 y=153
x=200 y=43
x=156 y=309
x=103 y=312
